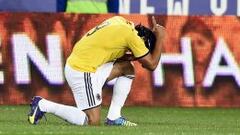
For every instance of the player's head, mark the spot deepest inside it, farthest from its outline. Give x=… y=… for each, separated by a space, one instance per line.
x=147 y=35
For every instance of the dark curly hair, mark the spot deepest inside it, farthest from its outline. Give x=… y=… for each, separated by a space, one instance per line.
x=147 y=35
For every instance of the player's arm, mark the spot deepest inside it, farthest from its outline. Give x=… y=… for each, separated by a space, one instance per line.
x=151 y=60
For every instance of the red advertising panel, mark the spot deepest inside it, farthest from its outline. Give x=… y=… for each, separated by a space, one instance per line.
x=199 y=66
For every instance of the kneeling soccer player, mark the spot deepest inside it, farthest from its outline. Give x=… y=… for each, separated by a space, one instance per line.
x=98 y=57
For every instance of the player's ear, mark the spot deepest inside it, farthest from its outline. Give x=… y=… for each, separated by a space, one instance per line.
x=140 y=30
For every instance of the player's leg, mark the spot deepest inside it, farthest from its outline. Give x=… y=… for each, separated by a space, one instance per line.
x=90 y=99
x=124 y=71
x=86 y=93
x=94 y=115
x=40 y=106
x=71 y=114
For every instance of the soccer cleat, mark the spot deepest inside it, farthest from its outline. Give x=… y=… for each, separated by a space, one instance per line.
x=35 y=114
x=121 y=121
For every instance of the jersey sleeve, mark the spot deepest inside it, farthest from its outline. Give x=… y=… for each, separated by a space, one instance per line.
x=136 y=45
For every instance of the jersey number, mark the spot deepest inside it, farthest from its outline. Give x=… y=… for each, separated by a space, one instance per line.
x=102 y=25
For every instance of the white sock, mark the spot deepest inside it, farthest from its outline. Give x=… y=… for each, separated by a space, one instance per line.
x=68 y=113
x=121 y=89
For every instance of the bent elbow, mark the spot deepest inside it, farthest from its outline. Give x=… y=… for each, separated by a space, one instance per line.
x=151 y=66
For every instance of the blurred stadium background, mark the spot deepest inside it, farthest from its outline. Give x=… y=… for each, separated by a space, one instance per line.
x=199 y=67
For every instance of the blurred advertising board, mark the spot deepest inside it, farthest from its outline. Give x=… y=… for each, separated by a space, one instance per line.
x=180 y=7
x=28 y=5
x=199 y=66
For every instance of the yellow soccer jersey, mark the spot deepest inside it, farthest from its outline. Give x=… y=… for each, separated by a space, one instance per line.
x=105 y=43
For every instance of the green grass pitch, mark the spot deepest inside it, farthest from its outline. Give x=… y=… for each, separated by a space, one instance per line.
x=151 y=121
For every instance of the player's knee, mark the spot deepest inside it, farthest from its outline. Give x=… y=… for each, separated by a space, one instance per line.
x=127 y=68
x=93 y=116
x=121 y=69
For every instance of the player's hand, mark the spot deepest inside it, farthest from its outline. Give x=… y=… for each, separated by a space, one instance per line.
x=158 y=30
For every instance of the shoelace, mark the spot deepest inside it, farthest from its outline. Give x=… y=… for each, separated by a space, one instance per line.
x=127 y=123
